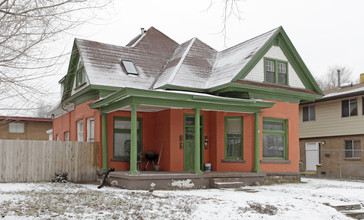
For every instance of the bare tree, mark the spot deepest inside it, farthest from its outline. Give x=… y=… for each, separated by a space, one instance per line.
x=29 y=29
x=330 y=79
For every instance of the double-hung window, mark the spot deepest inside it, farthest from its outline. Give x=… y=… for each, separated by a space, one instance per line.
x=276 y=71
x=80 y=130
x=16 y=127
x=90 y=130
x=275 y=138
x=352 y=149
x=122 y=137
x=349 y=107
x=80 y=73
x=234 y=137
x=309 y=113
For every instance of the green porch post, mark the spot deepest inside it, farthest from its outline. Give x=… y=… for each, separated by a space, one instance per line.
x=197 y=169
x=133 y=145
x=256 y=144
x=104 y=142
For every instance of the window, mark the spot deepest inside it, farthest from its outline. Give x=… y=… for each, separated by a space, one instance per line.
x=274 y=138
x=309 y=113
x=276 y=71
x=234 y=137
x=352 y=149
x=66 y=136
x=16 y=127
x=349 y=107
x=129 y=67
x=57 y=137
x=362 y=103
x=80 y=130
x=90 y=129
x=80 y=74
x=122 y=137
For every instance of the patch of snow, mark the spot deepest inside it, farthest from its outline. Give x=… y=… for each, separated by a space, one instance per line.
x=183 y=184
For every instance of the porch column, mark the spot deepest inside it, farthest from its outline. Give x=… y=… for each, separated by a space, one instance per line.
x=257 y=144
x=133 y=144
x=197 y=169
x=104 y=142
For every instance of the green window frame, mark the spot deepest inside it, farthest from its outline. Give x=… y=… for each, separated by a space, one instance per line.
x=275 y=71
x=80 y=73
x=122 y=132
x=275 y=139
x=234 y=137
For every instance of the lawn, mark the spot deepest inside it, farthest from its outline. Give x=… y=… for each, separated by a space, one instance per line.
x=307 y=200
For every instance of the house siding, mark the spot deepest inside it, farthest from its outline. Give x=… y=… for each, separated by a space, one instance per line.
x=275 y=52
x=33 y=130
x=329 y=121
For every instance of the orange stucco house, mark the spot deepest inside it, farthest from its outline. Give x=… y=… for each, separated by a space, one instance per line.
x=236 y=109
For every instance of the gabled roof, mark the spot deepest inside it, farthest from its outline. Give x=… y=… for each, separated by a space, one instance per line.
x=16 y=118
x=193 y=66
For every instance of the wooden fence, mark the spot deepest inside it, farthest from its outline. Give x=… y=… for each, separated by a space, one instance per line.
x=37 y=161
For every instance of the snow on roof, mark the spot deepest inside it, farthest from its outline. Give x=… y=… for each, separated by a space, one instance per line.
x=344 y=92
x=161 y=61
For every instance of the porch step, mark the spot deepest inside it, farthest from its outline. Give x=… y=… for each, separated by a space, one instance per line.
x=354 y=211
x=227 y=183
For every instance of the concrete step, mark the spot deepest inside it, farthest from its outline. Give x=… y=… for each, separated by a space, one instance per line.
x=226 y=179
x=355 y=214
x=346 y=207
x=220 y=185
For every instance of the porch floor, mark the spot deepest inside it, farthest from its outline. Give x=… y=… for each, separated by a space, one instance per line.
x=151 y=180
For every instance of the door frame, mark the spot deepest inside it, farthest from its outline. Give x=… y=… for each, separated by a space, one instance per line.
x=318 y=147
x=202 y=130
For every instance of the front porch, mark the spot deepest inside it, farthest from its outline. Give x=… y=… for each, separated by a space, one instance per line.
x=163 y=180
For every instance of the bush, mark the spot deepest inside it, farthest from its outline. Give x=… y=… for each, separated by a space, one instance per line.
x=60 y=177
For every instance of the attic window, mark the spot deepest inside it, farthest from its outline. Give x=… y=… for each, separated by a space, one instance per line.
x=129 y=67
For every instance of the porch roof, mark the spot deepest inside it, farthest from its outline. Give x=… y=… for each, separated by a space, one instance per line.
x=163 y=99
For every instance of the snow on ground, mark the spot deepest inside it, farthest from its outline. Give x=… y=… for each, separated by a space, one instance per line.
x=284 y=201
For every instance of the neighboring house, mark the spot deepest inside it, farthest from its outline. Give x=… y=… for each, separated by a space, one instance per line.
x=24 y=128
x=332 y=133
x=237 y=109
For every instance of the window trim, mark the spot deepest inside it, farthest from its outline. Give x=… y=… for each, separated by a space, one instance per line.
x=80 y=71
x=352 y=149
x=285 y=133
x=78 y=132
x=65 y=135
x=139 y=136
x=276 y=61
x=309 y=114
x=242 y=138
x=89 y=129
x=16 y=123
x=357 y=107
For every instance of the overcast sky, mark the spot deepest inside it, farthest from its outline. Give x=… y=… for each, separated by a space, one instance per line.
x=324 y=32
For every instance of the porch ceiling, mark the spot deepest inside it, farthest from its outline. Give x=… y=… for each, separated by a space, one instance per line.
x=157 y=100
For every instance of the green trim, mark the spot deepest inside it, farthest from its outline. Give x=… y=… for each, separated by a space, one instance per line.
x=86 y=97
x=126 y=96
x=226 y=138
x=202 y=132
x=104 y=142
x=181 y=88
x=256 y=144
x=197 y=164
x=133 y=145
x=276 y=132
x=266 y=93
x=128 y=131
x=280 y=38
x=276 y=74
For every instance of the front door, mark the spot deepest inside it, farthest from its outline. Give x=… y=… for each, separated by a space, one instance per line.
x=189 y=142
x=312 y=156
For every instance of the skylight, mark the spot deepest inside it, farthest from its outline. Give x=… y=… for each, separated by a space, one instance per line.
x=129 y=67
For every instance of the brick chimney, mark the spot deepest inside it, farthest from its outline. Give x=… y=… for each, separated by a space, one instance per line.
x=362 y=78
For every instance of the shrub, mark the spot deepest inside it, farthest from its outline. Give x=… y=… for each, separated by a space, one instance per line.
x=60 y=177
